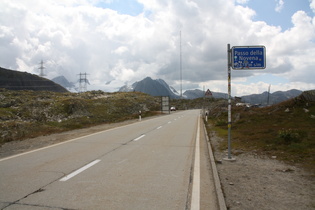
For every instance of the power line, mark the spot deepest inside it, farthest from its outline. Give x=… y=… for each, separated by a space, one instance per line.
x=83 y=82
x=180 y=63
x=41 y=73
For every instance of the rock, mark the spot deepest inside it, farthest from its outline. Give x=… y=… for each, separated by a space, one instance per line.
x=306 y=110
x=218 y=161
x=287 y=110
x=288 y=170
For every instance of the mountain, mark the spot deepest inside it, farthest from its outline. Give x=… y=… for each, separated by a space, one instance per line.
x=152 y=87
x=16 y=80
x=159 y=87
x=192 y=94
x=274 y=98
x=61 y=80
x=126 y=88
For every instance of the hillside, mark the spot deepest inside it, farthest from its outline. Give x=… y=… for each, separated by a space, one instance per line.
x=25 y=114
x=274 y=98
x=285 y=130
x=15 y=80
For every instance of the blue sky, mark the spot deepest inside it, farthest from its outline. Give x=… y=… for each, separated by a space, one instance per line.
x=119 y=42
x=129 y=7
x=266 y=11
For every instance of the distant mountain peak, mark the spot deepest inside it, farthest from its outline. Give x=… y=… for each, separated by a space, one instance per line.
x=152 y=87
x=61 y=80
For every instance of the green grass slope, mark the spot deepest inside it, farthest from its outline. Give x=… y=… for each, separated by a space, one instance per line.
x=285 y=130
x=26 y=114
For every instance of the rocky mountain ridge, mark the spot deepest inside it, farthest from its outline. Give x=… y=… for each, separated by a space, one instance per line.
x=16 y=80
x=159 y=87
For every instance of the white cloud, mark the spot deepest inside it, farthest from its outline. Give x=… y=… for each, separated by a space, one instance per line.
x=242 y=1
x=279 y=6
x=312 y=5
x=120 y=50
x=75 y=36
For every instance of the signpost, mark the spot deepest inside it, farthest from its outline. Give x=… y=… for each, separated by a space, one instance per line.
x=165 y=104
x=208 y=93
x=248 y=57
x=242 y=58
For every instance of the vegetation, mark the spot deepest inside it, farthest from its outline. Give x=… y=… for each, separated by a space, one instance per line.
x=26 y=114
x=285 y=130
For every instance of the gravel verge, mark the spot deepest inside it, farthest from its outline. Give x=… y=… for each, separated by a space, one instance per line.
x=260 y=182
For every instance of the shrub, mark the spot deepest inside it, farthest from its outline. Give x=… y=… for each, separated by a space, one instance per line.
x=289 y=136
x=220 y=122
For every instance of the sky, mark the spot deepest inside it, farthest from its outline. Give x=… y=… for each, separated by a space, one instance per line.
x=119 y=42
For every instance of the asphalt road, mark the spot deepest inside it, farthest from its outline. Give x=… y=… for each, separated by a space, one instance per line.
x=152 y=164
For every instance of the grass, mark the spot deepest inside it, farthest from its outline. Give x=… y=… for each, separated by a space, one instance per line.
x=285 y=130
x=27 y=114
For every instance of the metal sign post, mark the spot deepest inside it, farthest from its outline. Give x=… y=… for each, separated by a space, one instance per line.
x=229 y=104
x=242 y=58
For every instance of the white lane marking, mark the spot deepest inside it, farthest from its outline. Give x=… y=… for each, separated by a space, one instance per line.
x=65 y=142
x=158 y=127
x=79 y=171
x=139 y=137
x=169 y=122
x=122 y=161
x=71 y=140
x=195 y=197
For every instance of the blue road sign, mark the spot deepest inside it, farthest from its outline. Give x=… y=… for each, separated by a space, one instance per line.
x=248 y=57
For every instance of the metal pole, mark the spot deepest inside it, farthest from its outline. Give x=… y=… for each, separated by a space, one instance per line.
x=229 y=103
x=180 y=64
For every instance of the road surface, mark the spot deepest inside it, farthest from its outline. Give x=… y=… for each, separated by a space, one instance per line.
x=161 y=163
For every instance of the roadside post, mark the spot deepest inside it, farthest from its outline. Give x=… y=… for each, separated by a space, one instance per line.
x=139 y=115
x=208 y=94
x=206 y=116
x=242 y=58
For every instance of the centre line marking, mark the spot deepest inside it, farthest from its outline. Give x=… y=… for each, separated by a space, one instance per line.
x=158 y=128
x=79 y=171
x=139 y=137
x=195 y=197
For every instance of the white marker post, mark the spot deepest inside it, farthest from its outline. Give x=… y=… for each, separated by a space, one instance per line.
x=140 y=115
x=206 y=116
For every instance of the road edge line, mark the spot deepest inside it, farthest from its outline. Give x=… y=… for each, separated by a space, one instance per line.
x=217 y=182
x=65 y=142
x=195 y=194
